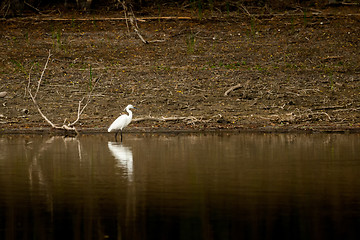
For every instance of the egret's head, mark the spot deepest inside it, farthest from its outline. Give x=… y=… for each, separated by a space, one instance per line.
x=130 y=106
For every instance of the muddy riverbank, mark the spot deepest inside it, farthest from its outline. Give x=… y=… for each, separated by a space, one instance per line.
x=289 y=71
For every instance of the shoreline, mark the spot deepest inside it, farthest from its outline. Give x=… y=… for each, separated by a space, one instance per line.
x=136 y=130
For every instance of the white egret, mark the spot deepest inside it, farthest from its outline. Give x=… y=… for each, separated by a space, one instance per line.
x=121 y=122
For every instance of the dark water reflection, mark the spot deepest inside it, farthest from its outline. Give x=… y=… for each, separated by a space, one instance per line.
x=246 y=186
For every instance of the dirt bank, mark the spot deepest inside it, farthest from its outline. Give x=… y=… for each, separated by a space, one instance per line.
x=292 y=70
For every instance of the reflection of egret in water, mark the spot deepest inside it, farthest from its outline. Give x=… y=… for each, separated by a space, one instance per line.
x=124 y=156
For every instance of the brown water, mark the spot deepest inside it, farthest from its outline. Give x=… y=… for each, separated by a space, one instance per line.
x=188 y=186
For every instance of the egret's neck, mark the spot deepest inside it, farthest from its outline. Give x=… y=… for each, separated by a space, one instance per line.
x=129 y=112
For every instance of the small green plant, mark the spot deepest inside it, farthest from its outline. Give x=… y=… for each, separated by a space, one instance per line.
x=13 y=39
x=159 y=11
x=211 y=5
x=200 y=9
x=72 y=23
x=331 y=84
x=197 y=6
x=35 y=66
x=26 y=36
x=232 y=65
x=90 y=79
x=190 y=41
x=56 y=35
x=259 y=68
x=305 y=18
x=228 y=8
x=18 y=66
x=94 y=23
x=292 y=24
x=252 y=27
x=162 y=68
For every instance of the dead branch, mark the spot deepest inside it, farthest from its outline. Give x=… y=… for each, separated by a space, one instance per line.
x=125 y=14
x=188 y=120
x=42 y=74
x=129 y=15
x=28 y=85
x=245 y=10
x=133 y=22
x=31 y=6
x=326 y=114
x=347 y=109
x=70 y=126
x=39 y=110
x=333 y=107
x=232 y=89
x=332 y=57
x=81 y=110
x=63 y=127
x=159 y=119
x=33 y=97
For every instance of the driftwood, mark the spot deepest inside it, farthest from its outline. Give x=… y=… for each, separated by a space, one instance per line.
x=189 y=120
x=70 y=127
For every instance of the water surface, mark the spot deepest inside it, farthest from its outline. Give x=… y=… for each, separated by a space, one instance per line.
x=187 y=186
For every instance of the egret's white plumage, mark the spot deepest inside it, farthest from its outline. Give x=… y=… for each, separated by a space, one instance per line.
x=121 y=122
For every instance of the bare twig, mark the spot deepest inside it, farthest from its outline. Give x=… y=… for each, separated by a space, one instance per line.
x=159 y=119
x=157 y=40
x=28 y=85
x=39 y=110
x=244 y=8
x=125 y=14
x=31 y=6
x=232 y=89
x=328 y=116
x=140 y=36
x=347 y=109
x=81 y=110
x=7 y=10
x=333 y=107
x=33 y=97
x=189 y=120
x=63 y=127
x=42 y=74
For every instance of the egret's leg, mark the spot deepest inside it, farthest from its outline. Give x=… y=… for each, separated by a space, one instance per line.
x=116 y=133
x=121 y=135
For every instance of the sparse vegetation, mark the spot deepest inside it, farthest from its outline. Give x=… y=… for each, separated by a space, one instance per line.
x=286 y=74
